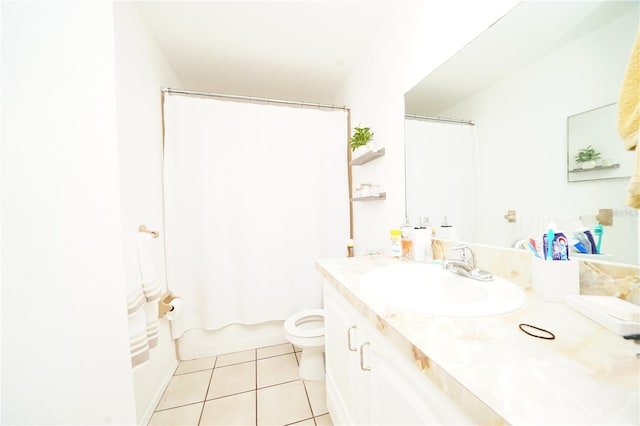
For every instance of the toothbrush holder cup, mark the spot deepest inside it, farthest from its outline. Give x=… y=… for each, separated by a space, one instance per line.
x=553 y=279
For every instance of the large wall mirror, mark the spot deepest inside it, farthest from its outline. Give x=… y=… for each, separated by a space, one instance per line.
x=498 y=171
x=594 y=148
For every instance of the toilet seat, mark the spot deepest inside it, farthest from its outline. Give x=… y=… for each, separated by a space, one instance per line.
x=295 y=324
x=305 y=330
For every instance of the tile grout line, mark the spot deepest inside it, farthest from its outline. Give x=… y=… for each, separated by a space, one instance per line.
x=231 y=394
x=190 y=372
x=177 y=406
x=278 y=384
x=256 y=384
x=274 y=356
x=204 y=401
x=256 y=388
x=304 y=386
x=303 y=420
x=155 y=410
x=306 y=392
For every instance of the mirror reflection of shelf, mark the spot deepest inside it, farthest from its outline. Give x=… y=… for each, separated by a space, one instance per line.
x=613 y=166
x=380 y=196
x=367 y=156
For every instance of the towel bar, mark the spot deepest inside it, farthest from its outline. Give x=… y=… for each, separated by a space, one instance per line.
x=143 y=228
x=605 y=217
x=510 y=216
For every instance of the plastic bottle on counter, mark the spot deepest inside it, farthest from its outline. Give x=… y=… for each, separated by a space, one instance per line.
x=406 y=240
x=428 y=249
x=446 y=231
x=396 y=247
x=350 y=248
x=422 y=241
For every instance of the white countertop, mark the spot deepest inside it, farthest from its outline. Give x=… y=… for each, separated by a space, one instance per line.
x=586 y=375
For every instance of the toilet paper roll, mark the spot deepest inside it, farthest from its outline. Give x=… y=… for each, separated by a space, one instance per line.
x=177 y=309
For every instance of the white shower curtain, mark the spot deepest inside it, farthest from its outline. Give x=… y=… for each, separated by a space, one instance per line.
x=441 y=160
x=254 y=194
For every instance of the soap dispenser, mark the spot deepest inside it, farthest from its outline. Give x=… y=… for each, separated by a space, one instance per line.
x=422 y=241
x=446 y=231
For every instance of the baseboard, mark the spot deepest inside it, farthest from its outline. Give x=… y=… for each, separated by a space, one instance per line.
x=156 y=399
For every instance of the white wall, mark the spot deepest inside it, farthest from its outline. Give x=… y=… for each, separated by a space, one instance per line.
x=141 y=70
x=65 y=351
x=419 y=38
x=524 y=117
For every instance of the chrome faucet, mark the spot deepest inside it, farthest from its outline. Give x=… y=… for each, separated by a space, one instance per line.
x=466 y=265
x=466 y=262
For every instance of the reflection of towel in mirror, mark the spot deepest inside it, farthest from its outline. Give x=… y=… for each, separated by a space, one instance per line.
x=629 y=119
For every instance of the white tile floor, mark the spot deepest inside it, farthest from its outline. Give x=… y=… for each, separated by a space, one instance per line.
x=255 y=387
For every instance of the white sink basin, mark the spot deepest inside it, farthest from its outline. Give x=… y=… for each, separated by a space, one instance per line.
x=431 y=290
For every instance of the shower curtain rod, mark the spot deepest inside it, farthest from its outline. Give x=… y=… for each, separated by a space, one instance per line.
x=446 y=120
x=250 y=98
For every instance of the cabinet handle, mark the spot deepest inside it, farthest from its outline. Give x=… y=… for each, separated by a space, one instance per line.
x=362 y=367
x=352 y=349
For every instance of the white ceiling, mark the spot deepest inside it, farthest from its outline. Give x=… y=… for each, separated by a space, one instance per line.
x=301 y=50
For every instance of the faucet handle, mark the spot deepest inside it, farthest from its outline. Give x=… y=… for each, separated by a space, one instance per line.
x=467 y=254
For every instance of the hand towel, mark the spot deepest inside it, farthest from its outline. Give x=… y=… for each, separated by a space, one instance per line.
x=144 y=289
x=138 y=341
x=633 y=199
x=629 y=119
x=136 y=301
x=152 y=323
x=149 y=250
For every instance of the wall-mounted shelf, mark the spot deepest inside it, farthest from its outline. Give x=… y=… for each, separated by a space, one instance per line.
x=380 y=196
x=613 y=166
x=367 y=156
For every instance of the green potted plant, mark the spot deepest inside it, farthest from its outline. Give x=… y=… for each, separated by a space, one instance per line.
x=361 y=137
x=586 y=157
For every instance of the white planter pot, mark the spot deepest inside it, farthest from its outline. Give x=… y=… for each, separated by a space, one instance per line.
x=588 y=165
x=361 y=150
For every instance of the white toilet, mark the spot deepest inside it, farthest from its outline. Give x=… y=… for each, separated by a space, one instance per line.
x=306 y=330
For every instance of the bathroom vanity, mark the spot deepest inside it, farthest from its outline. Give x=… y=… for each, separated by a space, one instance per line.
x=388 y=365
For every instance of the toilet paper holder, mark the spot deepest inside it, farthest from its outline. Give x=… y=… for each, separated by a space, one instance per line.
x=143 y=228
x=164 y=304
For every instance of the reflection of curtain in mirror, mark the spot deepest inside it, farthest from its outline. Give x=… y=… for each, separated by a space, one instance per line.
x=441 y=175
x=254 y=194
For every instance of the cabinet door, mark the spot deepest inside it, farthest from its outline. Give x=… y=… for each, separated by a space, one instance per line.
x=369 y=381
x=341 y=358
x=399 y=393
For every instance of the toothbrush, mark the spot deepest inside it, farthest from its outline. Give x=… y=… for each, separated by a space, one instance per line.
x=598 y=230
x=578 y=245
x=532 y=248
x=550 y=237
